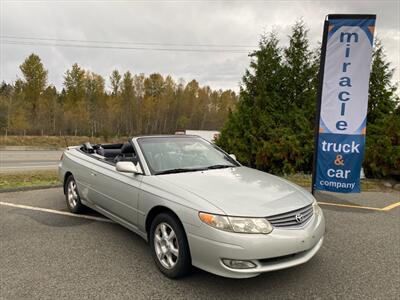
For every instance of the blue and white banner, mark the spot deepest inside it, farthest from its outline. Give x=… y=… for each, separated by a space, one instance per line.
x=343 y=102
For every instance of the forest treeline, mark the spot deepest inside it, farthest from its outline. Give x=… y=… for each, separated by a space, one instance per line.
x=131 y=105
x=269 y=125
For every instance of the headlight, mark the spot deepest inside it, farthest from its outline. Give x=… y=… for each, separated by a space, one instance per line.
x=217 y=221
x=250 y=225
x=316 y=208
x=236 y=224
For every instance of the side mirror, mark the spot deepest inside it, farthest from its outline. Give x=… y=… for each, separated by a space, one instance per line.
x=127 y=167
x=233 y=156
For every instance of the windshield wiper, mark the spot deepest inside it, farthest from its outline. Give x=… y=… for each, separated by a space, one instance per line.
x=219 y=167
x=181 y=170
x=178 y=170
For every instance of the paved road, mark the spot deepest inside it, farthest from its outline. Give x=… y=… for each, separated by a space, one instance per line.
x=20 y=160
x=51 y=256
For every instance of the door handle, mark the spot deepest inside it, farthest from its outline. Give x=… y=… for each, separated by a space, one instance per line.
x=93 y=174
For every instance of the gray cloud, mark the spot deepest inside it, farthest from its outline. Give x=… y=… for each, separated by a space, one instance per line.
x=177 y=22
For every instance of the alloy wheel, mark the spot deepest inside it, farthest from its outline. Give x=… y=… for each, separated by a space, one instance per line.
x=166 y=245
x=72 y=194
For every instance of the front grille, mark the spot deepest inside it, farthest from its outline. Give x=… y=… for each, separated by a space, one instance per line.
x=294 y=218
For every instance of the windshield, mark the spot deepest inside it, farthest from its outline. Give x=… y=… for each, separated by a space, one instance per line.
x=166 y=155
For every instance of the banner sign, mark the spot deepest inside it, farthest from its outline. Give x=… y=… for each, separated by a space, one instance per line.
x=343 y=99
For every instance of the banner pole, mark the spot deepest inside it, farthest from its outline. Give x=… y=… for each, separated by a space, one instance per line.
x=319 y=97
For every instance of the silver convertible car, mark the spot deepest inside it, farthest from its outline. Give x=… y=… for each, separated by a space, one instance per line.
x=195 y=205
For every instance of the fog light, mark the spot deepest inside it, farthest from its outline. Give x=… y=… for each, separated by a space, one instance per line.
x=238 y=264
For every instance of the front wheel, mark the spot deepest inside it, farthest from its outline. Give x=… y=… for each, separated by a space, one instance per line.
x=72 y=197
x=169 y=246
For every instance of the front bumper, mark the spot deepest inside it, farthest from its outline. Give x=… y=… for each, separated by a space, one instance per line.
x=282 y=248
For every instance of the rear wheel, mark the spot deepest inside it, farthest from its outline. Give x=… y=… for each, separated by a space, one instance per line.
x=72 y=197
x=169 y=246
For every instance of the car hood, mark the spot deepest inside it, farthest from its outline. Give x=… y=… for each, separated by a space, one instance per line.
x=242 y=191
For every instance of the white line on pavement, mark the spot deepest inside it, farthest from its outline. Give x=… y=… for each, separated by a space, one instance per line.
x=53 y=211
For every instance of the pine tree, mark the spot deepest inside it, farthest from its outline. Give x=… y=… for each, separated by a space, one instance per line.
x=115 y=118
x=95 y=102
x=76 y=111
x=128 y=101
x=272 y=128
x=254 y=127
x=115 y=79
x=5 y=106
x=382 y=156
x=300 y=86
x=48 y=111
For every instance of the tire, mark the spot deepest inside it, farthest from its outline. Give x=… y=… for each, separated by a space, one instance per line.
x=171 y=250
x=72 y=198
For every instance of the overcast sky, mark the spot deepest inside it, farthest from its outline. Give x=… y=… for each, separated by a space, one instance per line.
x=176 y=35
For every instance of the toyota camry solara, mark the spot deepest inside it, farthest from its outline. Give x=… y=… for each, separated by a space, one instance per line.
x=195 y=205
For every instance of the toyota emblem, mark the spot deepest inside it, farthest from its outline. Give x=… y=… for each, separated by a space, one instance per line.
x=299 y=218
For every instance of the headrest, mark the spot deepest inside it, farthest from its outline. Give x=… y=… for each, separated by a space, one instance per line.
x=127 y=148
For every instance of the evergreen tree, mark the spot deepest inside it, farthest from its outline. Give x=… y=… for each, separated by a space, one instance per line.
x=34 y=84
x=128 y=101
x=5 y=106
x=76 y=111
x=18 y=109
x=114 y=104
x=299 y=88
x=272 y=128
x=254 y=127
x=49 y=110
x=95 y=102
x=115 y=79
x=382 y=156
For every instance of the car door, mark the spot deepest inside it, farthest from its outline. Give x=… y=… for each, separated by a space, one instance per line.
x=116 y=192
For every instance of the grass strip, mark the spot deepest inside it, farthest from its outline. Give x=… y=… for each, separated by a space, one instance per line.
x=55 y=142
x=28 y=179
